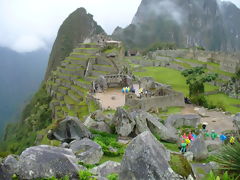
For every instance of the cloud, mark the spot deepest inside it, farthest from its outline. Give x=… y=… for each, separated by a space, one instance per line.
x=28 y=25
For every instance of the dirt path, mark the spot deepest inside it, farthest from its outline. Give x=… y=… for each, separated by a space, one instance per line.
x=113 y=97
x=217 y=121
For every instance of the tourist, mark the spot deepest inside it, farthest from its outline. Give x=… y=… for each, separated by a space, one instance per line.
x=127 y=90
x=190 y=137
x=187 y=141
x=232 y=140
x=204 y=126
x=132 y=90
x=183 y=146
x=123 y=90
x=184 y=136
x=222 y=138
x=213 y=135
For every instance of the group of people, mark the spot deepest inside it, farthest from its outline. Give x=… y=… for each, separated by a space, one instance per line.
x=186 y=140
x=128 y=89
x=223 y=138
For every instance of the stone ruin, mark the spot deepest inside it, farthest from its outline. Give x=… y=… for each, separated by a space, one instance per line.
x=111 y=81
x=229 y=62
x=158 y=96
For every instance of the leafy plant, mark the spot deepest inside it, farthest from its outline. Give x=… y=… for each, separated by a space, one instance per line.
x=109 y=143
x=229 y=158
x=85 y=175
x=113 y=176
x=225 y=176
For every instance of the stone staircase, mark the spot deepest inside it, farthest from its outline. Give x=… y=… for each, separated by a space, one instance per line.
x=70 y=83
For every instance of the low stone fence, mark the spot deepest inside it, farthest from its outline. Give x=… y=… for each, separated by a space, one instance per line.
x=147 y=103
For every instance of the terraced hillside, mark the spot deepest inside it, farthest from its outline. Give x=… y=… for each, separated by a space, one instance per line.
x=70 y=84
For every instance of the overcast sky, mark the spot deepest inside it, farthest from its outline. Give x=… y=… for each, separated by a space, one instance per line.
x=28 y=25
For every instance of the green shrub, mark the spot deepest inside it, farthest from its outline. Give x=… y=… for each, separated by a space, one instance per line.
x=199 y=100
x=107 y=141
x=113 y=176
x=85 y=175
x=225 y=176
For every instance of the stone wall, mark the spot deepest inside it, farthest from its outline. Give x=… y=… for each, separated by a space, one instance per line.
x=229 y=62
x=147 y=103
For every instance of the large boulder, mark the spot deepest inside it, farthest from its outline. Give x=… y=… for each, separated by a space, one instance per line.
x=145 y=121
x=69 y=129
x=97 y=125
x=146 y=158
x=236 y=121
x=106 y=168
x=11 y=164
x=179 y=120
x=4 y=174
x=87 y=151
x=199 y=148
x=47 y=161
x=123 y=121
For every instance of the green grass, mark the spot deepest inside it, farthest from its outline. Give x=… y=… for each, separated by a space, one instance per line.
x=109 y=158
x=83 y=81
x=185 y=65
x=180 y=165
x=171 y=77
x=226 y=101
x=170 y=146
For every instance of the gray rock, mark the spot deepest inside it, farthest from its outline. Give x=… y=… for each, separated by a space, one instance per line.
x=213 y=145
x=236 y=121
x=98 y=116
x=146 y=158
x=124 y=122
x=65 y=145
x=106 y=168
x=4 y=174
x=69 y=129
x=97 y=125
x=11 y=164
x=46 y=161
x=178 y=120
x=189 y=156
x=199 y=148
x=87 y=151
x=145 y=121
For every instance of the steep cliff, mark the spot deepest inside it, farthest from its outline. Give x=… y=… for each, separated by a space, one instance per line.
x=76 y=28
x=185 y=22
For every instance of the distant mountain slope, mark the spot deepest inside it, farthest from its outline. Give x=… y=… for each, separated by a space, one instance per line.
x=208 y=23
x=20 y=77
x=76 y=28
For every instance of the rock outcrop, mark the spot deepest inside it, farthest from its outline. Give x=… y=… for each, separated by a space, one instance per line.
x=199 y=148
x=68 y=130
x=106 y=168
x=146 y=158
x=145 y=121
x=47 y=161
x=87 y=151
x=75 y=29
x=123 y=122
x=178 y=120
x=216 y=24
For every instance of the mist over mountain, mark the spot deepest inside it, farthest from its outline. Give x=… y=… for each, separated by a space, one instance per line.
x=211 y=24
x=20 y=76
